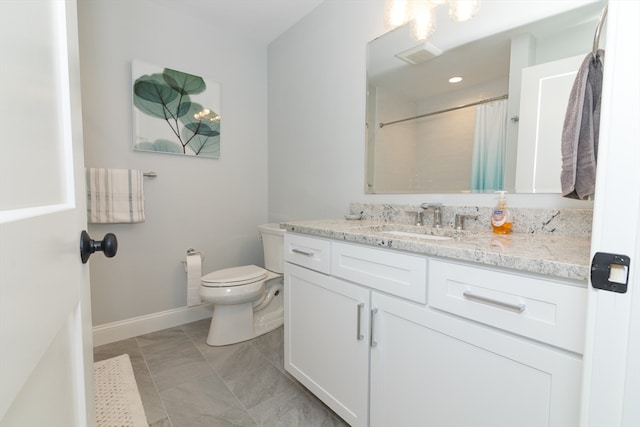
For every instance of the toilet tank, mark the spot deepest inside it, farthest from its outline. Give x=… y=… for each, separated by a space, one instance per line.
x=273 y=245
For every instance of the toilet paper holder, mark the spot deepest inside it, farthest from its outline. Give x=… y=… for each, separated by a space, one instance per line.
x=191 y=252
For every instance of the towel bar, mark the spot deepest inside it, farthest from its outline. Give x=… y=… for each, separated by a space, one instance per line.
x=150 y=174
x=596 y=37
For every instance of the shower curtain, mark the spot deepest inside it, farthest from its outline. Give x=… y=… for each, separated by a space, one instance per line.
x=487 y=168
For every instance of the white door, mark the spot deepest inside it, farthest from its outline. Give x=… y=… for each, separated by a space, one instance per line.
x=543 y=102
x=611 y=382
x=46 y=367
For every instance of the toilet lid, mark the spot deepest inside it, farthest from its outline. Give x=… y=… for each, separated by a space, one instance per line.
x=235 y=276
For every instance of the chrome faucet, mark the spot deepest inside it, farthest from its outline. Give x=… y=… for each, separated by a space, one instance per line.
x=458 y=221
x=437 y=214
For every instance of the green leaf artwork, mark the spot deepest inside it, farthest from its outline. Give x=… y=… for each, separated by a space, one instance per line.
x=175 y=112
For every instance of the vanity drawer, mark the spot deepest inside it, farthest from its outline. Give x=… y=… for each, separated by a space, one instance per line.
x=309 y=252
x=545 y=310
x=387 y=271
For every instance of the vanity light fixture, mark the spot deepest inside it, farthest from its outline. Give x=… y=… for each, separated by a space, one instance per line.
x=463 y=10
x=396 y=13
x=424 y=21
x=422 y=14
x=207 y=114
x=456 y=79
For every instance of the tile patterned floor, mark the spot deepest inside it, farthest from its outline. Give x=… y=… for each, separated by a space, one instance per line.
x=183 y=382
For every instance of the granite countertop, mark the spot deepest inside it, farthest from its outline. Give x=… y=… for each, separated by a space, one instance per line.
x=560 y=256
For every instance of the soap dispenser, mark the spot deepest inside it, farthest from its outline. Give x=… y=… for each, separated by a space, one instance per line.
x=501 y=217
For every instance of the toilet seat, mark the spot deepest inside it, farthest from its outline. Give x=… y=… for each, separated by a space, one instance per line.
x=235 y=276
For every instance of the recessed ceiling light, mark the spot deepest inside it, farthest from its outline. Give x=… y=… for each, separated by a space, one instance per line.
x=456 y=79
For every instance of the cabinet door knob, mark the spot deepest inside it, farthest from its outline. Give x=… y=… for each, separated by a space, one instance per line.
x=359 y=335
x=301 y=252
x=372 y=342
x=519 y=308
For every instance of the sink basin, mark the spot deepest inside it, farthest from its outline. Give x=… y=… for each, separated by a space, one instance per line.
x=417 y=235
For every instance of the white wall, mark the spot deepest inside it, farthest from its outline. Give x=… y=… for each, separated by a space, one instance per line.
x=396 y=144
x=316 y=155
x=316 y=108
x=445 y=150
x=211 y=205
x=317 y=86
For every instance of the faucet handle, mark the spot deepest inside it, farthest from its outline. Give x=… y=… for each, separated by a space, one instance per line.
x=431 y=205
x=437 y=212
x=459 y=220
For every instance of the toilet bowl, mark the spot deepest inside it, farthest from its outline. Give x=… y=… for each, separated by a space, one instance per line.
x=247 y=300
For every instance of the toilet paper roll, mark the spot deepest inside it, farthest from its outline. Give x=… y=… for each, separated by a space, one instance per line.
x=194 y=273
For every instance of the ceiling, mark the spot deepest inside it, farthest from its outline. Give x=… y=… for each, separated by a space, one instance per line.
x=260 y=20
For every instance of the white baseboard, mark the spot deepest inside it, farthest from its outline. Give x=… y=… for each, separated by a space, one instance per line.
x=129 y=328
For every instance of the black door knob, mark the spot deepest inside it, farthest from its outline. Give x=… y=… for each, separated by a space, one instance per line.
x=108 y=245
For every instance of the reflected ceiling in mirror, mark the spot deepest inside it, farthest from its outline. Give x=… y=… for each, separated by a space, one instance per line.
x=426 y=135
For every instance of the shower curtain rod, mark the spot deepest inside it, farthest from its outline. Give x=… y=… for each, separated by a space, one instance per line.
x=484 y=101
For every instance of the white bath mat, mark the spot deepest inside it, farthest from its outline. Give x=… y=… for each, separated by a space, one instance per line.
x=116 y=395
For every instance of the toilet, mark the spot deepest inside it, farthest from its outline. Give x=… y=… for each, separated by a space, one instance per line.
x=247 y=300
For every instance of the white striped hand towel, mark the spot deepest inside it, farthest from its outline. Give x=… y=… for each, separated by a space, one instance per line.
x=114 y=196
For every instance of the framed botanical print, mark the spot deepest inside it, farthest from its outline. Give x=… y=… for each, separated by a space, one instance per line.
x=175 y=112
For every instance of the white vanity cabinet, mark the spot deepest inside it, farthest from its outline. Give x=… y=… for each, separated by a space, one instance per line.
x=387 y=338
x=430 y=369
x=327 y=340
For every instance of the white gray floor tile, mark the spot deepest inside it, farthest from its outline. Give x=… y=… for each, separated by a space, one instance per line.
x=184 y=382
x=204 y=402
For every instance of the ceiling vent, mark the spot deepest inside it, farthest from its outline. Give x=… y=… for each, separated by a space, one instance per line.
x=419 y=54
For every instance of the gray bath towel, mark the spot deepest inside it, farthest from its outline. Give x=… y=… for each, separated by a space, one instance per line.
x=580 y=131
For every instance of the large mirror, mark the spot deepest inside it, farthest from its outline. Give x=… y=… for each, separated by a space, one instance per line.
x=497 y=129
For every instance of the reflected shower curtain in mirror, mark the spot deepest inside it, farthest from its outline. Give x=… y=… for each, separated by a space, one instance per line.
x=487 y=168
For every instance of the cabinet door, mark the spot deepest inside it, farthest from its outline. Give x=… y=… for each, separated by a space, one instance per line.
x=432 y=369
x=326 y=340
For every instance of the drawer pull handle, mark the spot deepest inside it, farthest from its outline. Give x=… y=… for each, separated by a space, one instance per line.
x=301 y=252
x=359 y=335
x=372 y=342
x=514 y=307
